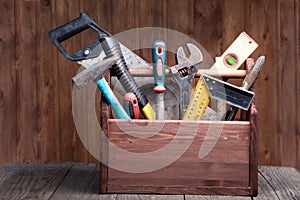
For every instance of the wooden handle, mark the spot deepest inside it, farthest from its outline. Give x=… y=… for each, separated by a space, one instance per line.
x=142 y=72
x=253 y=73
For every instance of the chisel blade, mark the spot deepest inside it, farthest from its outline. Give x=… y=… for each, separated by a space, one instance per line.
x=228 y=93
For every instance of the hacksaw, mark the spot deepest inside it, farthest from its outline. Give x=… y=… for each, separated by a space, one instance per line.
x=236 y=54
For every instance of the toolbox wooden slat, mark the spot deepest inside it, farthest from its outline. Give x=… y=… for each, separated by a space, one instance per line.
x=229 y=169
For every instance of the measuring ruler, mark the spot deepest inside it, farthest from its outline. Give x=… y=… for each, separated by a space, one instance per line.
x=236 y=54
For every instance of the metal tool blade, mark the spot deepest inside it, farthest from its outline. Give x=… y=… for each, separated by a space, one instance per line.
x=160 y=106
x=93 y=73
x=184 y=72
x=132 y=60
x=253 y=74
x=247 y=83
x=195 y=55
x=228 y=93
x=211 y=115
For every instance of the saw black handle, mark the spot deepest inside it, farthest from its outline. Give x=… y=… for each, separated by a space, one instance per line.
x=70 y=29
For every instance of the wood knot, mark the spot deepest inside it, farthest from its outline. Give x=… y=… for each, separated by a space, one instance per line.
x=46 y=2
x=266 y=153
x=265 y=35
x=283 y=38
x=1 y=95
x=266 y=78
x=1 y=42
x=1 y=98
x=198 y=14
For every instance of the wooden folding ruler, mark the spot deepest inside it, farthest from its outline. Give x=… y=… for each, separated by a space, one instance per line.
x=236 y=54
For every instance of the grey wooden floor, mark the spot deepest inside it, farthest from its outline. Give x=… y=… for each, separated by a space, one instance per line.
x=81 y=181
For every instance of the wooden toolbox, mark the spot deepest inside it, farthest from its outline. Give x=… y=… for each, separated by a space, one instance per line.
x=230 y=168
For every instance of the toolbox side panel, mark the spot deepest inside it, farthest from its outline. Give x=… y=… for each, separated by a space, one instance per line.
x=225 y=167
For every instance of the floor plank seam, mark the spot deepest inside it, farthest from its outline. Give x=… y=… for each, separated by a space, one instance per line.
x=54 y=191
x=269 y=183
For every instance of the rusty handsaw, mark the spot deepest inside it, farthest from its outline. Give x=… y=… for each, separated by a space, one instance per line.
x=105 y=46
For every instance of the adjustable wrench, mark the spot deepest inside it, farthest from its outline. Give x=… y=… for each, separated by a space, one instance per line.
x=184 y=72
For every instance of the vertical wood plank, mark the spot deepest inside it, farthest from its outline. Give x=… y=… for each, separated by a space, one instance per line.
x=80 y=152
x=104 y=20
x=65 y=11
x=48 y=124
x=91 y=134
x=260 y=22
x=123 y=16
x=207 y=17
x=232 y=25
x=55 y=67
x=232 y=21
x=71 y=146
x=297 y=56
x=287 y=86
x=8 y=96
x=78 y=42
x=207 y=20
x=154 y=12
x=179 y=18
x=28 y=147
x=59 y=13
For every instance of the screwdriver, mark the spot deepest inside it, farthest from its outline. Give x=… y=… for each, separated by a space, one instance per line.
x=159 y=63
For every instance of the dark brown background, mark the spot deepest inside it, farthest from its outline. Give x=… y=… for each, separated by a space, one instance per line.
x=35 y=88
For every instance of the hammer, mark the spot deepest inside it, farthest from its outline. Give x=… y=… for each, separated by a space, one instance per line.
x=95 y=73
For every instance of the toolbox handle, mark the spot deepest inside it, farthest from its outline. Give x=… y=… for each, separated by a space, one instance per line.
x=68 y=30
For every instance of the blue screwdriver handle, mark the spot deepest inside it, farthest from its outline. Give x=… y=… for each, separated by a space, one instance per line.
x=159 y=64
x=111 y=99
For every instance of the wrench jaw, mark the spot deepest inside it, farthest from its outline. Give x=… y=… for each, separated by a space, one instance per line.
x=184 y=72
x=195 y=55
x=187 y=65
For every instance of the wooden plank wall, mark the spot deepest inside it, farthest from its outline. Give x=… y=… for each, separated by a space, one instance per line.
x=35 y=88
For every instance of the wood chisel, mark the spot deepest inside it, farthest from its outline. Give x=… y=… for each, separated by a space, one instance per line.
x=246 y=85
x=231 y=59
x=159 y=65
x=105 y=46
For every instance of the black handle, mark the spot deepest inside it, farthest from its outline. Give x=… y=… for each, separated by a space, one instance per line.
x=72 y=28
